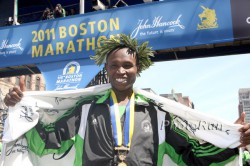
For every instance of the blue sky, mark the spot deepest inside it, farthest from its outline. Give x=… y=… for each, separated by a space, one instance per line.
x=211 y=83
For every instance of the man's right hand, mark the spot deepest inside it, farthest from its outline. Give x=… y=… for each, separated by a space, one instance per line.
x=14 y=96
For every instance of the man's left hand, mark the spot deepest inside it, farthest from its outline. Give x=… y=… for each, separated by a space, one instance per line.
x=245 y=130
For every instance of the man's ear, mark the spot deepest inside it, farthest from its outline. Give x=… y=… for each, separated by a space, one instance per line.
x=138 y=68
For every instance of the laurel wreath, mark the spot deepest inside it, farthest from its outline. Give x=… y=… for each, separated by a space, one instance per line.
x=142 y=51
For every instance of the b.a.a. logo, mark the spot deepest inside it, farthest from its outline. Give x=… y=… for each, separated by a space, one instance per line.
x=71 y=68
x=70 y=78
x=208 y=19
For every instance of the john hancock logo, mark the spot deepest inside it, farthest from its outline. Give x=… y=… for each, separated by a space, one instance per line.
x=208 y=19
x=7 y=48
x=70 y=78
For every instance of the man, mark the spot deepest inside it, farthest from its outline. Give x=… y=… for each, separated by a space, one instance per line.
x=122 y=127
x=59 y=11
x=47 y=14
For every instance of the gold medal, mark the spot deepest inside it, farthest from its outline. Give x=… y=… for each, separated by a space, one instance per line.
x=122 y=164
x=122 y=156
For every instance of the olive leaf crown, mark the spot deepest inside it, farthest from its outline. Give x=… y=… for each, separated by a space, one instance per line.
x=121 y=41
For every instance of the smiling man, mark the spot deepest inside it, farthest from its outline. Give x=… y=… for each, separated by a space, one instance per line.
x=122 y=70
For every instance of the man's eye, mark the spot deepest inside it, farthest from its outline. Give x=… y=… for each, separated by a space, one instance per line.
x=113 y=66
x=127 y=66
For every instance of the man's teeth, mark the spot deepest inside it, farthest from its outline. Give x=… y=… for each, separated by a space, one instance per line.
x=121 y=80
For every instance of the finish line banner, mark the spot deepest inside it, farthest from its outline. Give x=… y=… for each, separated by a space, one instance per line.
x=175 y=24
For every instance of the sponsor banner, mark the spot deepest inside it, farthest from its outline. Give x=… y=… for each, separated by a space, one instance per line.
x=68 y=75
x=175 y=24
x=241 y=18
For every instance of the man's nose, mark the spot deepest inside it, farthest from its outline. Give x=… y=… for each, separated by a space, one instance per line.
x=121 y=70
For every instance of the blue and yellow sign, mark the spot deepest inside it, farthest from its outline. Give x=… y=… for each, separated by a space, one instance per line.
x=175 y=24
x=68 y=75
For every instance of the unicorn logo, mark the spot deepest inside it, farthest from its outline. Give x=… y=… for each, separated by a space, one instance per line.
x=71 y=69
x=208 y=19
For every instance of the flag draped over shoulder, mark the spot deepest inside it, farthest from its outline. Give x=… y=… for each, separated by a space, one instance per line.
x=47 y=106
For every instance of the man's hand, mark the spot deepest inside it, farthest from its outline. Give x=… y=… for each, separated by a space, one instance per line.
x=15 y=94
x=245 y=130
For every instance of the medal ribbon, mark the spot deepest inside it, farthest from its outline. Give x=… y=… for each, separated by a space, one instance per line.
x=116 y=123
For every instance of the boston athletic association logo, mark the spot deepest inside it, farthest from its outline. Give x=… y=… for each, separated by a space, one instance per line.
x=71 y=68
x=208 y=19
x=70 y=78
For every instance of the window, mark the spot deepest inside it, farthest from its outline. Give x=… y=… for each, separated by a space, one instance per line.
x=37 y=83
x=246 y=103
x=17 y=80
x=28 y=81
x=245 y=95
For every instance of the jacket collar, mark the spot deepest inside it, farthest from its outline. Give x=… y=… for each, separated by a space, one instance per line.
x=139 y=99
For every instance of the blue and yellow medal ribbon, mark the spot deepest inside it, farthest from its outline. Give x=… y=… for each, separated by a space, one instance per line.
x=116 y=123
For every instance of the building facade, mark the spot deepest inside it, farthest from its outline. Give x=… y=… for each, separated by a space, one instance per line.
x=185 y=100
x=33 y=82
x=244 y=103
x=176 y=97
